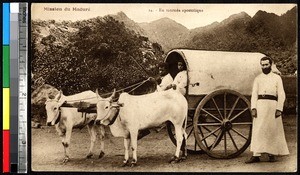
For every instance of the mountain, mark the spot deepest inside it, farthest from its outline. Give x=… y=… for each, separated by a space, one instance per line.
x=130 y=24
x=219 y=36
x=165 y=31
x=265 y=32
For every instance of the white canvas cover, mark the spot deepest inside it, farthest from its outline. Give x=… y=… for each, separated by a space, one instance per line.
x=215 y=70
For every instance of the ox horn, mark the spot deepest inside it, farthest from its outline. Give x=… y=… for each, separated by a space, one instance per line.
x=58 y=96
x=97 y=93
x=113 y=94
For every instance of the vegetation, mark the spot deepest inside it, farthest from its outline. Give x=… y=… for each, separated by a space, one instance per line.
x=97 y=53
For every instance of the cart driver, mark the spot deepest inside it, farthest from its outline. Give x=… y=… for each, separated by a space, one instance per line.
x=180 y=81
x=163 y=83
x=165 y=78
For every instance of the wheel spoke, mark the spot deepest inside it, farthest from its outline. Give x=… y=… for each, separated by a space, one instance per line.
x=190 y=133
x=208 y=130
x=233 y=107
x=216 y=141
x=195 y=145
x=243 y=123
x=209 y=124
x=234 y=144
x=225 y=105
x=211 y=115
x=240 y=113
x=189 y=125
x=239 y=133
x=217 y=107
x=202 y=136
x=211 y=133
x=225 y=143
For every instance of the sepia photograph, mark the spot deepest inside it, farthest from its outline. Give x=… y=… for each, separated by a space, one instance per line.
x=158 y=87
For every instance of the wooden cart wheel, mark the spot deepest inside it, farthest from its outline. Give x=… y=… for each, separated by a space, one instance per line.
x=223 y=124
x=192 y=146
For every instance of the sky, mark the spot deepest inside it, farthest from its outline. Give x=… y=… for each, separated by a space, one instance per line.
x=189 y=15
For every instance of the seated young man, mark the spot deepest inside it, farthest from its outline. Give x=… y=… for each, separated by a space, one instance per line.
x=180 y=81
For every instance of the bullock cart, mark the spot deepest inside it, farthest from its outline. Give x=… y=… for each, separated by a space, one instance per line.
x=218 y=94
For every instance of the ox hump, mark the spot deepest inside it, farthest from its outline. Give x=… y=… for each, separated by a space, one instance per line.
x=88 y=96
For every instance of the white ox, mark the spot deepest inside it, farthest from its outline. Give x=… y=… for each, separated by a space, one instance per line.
x=67 y=118
x=133 y=113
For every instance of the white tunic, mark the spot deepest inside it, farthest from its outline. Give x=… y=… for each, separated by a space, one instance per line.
x=267 y=131
x=181 y=81
x=166 y=81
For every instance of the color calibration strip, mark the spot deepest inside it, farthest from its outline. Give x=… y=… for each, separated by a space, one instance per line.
x=6 y=90
x=14 y=84
x=14 y=58
x=23 y=87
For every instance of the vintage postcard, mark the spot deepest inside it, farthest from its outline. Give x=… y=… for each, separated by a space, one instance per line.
x=115 y=87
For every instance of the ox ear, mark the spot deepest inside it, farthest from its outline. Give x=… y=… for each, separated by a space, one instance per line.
x=61 y=99
x=47 y=98
x=113 y=94
x=97 y=93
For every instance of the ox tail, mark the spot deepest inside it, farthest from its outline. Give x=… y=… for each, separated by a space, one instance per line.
x=185 y=122
x=183 y=145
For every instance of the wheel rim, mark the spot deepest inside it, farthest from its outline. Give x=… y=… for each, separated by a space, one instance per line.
x=192 y=146
x=223 y=124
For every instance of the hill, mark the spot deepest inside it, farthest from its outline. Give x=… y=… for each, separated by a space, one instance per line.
x=165 y=31
x=96 y=53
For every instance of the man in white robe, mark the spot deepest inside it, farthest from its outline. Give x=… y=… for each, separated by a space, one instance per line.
x=267 y=102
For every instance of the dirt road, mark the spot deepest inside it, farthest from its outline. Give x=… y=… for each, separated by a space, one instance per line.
x=154 y=151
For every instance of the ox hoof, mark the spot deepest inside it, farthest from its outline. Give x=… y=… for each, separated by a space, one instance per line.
x=183 y=158
x=133 y=164
x=125 y=163
x=66 y=159
x=90 y=155
x=101 y=154
x=175 y=159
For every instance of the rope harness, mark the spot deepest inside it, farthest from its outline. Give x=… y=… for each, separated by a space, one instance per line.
x=116 y=106
x=115 y=116
x=136 y=85
x=90 y=109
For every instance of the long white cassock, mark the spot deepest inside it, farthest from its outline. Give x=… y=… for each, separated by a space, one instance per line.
x=165 y=81
x=181 y=81
x=267 y=131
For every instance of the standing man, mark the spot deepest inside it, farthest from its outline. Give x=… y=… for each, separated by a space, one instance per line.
x=267 y=101
x=180 y=81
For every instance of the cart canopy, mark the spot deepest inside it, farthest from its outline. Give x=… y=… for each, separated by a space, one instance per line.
x=212 y=70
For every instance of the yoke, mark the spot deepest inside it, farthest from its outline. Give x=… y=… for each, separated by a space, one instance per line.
x=82 y=106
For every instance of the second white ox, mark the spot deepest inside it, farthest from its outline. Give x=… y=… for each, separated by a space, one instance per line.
x=133 y=113
x=67 y=118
